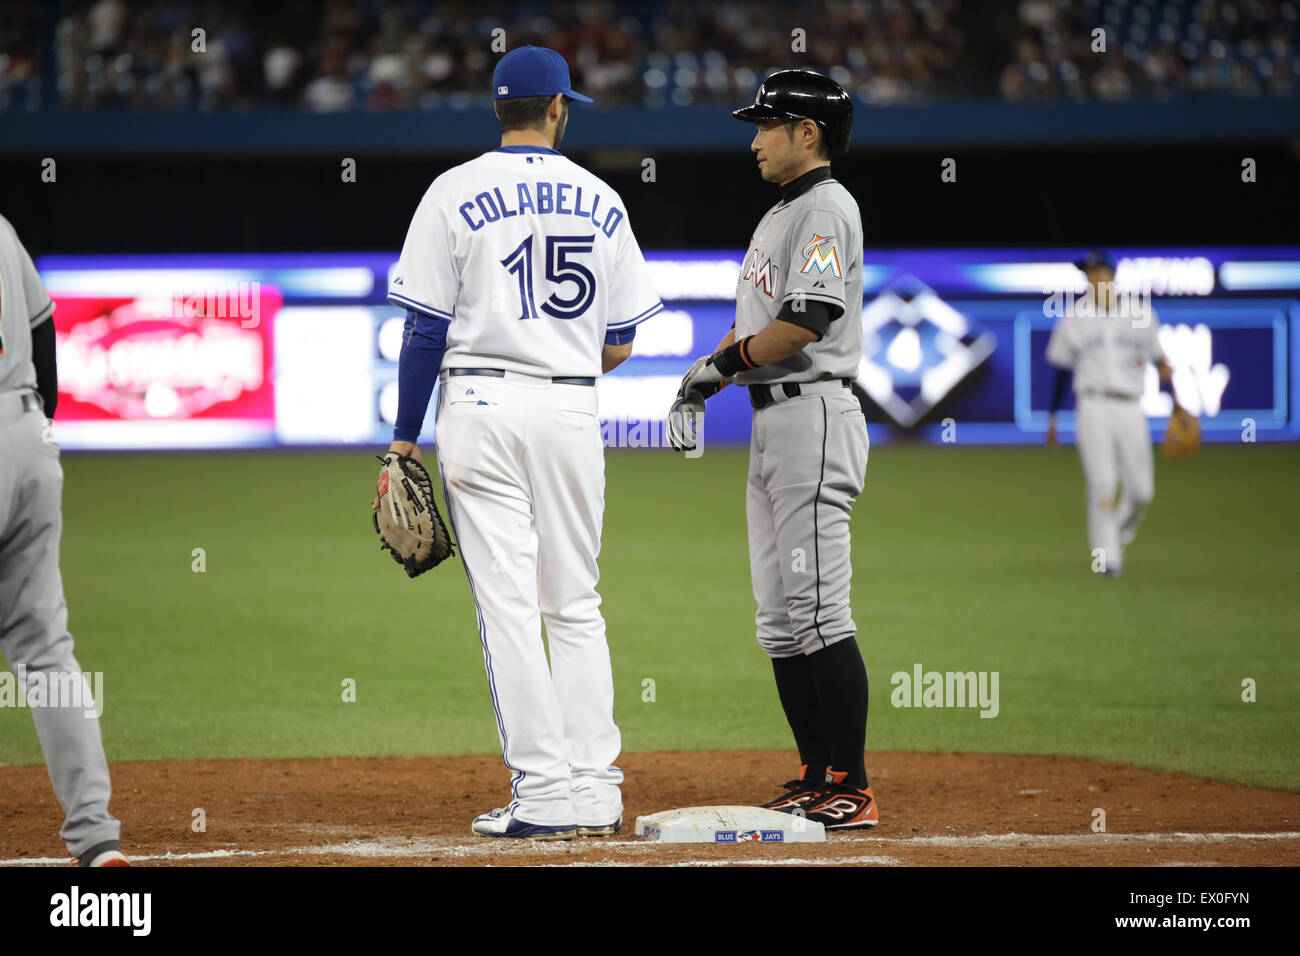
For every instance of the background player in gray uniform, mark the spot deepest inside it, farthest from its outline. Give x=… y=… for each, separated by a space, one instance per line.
x=796 y=344
x=33 y=616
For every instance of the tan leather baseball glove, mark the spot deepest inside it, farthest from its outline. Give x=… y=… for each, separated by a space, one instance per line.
x=1183 y=436
x=407 y=519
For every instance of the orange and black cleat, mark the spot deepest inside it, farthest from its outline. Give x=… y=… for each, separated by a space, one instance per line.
x=798 y=794
x=109 y=853
x=839 y=806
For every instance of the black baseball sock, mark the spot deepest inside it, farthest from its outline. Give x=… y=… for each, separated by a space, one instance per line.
x=840 y=679
x=794 y=684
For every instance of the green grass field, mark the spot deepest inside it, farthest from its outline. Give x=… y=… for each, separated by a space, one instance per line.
x=964 y=559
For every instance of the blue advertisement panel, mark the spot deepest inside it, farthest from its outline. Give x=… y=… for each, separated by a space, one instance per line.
x=953 y=345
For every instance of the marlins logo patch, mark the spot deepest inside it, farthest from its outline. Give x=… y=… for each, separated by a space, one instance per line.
x=820 y=254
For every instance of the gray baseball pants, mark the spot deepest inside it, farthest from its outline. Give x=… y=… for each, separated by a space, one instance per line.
x=807 y=465
x=34 y=624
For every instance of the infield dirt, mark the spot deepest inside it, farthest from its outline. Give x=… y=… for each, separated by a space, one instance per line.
x=935 y=809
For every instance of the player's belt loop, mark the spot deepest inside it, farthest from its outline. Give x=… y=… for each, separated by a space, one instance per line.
x=501 y=373
x=18 y=403
x=761 y=396
x=1116 y=396
x=489 y=372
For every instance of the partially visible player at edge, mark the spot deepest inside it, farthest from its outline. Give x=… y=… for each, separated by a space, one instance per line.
x=523 y=283
x=797 y=344
x=33 y=613
x=1107 y=342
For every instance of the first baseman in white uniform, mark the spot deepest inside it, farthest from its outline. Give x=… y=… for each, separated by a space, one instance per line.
x=523 y=283
x=1107 y=339
x=33 y=614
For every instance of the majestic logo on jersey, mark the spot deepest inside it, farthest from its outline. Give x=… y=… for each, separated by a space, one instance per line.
x=819 y=253
x=760 y=276
x=916 y=348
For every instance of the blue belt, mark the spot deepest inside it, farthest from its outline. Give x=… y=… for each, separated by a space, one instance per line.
x=501 y=373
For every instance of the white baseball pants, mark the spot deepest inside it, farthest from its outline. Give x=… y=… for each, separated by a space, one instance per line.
x=523 y=472
x=1115 y=448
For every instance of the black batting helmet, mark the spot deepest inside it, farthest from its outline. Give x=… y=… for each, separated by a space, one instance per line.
x=803 y=94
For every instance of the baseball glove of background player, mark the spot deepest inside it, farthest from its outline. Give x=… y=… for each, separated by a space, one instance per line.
x=1183 y=436
x=407 y=517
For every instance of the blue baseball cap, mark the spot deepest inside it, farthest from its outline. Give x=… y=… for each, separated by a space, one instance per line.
x=533 y=71
x=1096 y=257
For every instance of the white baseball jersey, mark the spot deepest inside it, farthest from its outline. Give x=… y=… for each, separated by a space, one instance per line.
x=1107 y=351
x=533 y=259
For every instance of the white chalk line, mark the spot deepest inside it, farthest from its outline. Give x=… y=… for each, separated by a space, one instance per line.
x=779 y=861
x=794 y=861
x=1079 y=839
x=395 y=847
x=444 y=847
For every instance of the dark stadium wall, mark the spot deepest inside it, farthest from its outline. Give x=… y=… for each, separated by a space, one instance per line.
x=1058 y=196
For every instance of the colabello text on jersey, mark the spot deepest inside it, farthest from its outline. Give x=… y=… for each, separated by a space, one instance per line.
x=559 y=199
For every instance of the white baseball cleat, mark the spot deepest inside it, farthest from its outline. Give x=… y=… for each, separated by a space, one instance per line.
x=609 y=829
x=502 y=822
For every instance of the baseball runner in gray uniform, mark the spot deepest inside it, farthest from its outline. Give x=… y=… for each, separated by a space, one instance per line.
x=33 y=615
x=796 y=345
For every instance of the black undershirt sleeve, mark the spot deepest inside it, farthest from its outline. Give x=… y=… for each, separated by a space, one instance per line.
x=816 y=316
x=47 y=375
x=1059 y=385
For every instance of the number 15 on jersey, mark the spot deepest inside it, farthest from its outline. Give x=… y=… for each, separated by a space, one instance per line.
x=559 y=268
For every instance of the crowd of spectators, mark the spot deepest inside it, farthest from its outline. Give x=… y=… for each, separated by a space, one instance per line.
x=334 y=55
x=1153 y=49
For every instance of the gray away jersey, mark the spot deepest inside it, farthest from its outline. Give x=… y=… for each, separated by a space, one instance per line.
x=810 y=247
x=24 y=304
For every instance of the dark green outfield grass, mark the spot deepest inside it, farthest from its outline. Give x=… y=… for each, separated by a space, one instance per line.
x=966 y=559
